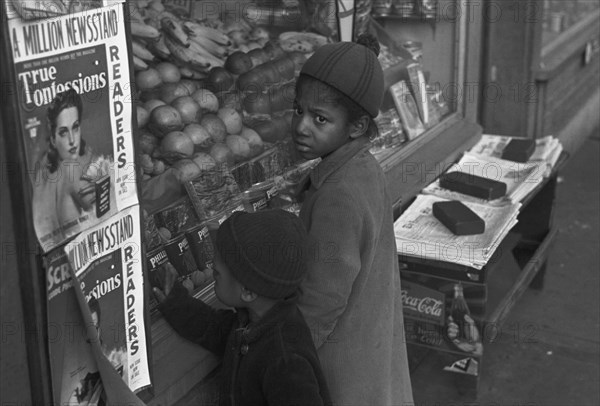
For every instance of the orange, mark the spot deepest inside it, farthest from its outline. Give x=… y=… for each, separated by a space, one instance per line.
x=215 y=127
x=199 y=135
x=171 y=91
x=152 y=104
x=169 y=72
x=148 y=79
x=165 y=119
x=188 y=108
x=232 y=119
x=207 y=100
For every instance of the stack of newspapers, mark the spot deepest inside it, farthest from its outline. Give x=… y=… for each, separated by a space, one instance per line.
x=419 y=234
x=546 y=154
x=520 y=178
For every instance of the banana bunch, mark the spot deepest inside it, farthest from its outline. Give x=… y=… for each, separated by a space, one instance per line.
x=160 y=34
x=211 y=39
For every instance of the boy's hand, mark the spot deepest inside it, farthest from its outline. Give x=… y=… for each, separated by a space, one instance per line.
x=170 y=278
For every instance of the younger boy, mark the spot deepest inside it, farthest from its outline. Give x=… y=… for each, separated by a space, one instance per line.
x=268 y=354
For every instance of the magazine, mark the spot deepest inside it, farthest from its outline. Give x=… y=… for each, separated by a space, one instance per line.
x=74 y=101
x=107 y=262
x=75 y=375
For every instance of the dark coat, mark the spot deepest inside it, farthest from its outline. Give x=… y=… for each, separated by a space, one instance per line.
x=272 y=362
x=351 y=297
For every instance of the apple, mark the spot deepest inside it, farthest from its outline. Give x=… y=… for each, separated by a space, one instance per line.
x=238 y=63
x=285 y=66
x=258 y=56
x=257 y=103
x=220 y=79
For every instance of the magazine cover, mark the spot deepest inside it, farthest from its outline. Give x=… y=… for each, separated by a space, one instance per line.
x=107 y=262
x=74 y=100
x=75 y=376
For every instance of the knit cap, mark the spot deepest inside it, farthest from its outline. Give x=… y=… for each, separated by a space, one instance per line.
x=351 y=68
x=265 y=251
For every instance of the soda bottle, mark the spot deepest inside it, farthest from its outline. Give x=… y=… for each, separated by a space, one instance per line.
x=462 y=316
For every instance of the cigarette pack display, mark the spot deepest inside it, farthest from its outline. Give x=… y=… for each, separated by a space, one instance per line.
x=458 y=218
x=473 y=185
x=519 y=150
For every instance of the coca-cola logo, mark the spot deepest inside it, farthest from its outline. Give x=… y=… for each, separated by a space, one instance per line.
x=425 y=305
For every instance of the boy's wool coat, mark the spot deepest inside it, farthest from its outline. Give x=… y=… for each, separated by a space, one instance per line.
x=351 y=298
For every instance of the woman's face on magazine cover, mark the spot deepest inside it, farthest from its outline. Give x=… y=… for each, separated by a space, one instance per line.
x=67 y=136
x=227 y=288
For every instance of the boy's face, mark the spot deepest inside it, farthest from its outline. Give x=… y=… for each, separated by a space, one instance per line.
x=319 y=125
x=227 y=288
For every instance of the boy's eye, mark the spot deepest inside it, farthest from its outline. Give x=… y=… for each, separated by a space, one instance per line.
x=297 y=110
x=320 y=119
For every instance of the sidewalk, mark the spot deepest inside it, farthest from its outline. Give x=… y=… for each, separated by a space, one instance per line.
x=549 y=349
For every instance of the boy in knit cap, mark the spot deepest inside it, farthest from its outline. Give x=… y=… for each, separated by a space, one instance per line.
x=268 y=354
x=351 y=298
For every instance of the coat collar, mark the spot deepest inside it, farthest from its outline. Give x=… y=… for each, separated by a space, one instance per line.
x=336 y=160
x=252 y=332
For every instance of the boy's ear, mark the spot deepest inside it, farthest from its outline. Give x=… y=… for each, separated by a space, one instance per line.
x=247 y=295
x=359 y=127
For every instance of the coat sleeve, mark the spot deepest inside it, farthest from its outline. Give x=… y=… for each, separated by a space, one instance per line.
x=196 y=321
x=291 y=381
x=335 y=233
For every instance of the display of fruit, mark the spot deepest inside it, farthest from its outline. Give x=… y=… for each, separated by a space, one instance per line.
x=231 y=118
x=220 y=79
x=204 y=161
x=238 y=63
x=148 y=79
x=258 y=56
x=142 y=116
x=170 y=91
x=165 y=119
x=151 y=104
x=147 y=142
x=257 y=103
x=188 y=109
x=169 y=72
x=186 y=170
x=222 y=154
x=176 y=145
x=207 y=100
x=272 y=130
x=209 y=92
x=199 y=136
x=215 y=127
x=239 y=146
x=256 y=143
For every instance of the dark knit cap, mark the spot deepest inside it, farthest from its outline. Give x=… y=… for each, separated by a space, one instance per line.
x=351 y=68
x=265 y=251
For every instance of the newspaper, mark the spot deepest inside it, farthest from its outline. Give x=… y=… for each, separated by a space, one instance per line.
x=74 y=373
x=520 y=178
x=107 y=262
x=547 y=149
x=74 y=108
x=419 y=234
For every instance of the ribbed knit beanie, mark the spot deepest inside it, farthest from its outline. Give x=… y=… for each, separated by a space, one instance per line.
x=265 y=251
x=351 y=68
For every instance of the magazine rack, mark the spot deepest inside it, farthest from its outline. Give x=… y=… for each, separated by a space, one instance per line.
x=490 y=293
